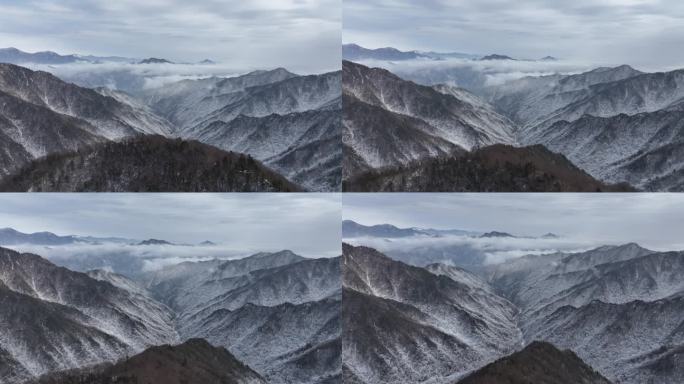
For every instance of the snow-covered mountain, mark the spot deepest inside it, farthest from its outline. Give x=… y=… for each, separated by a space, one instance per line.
x=431 y=121
x=277 y=312
x=404 y=324
x=290 y=122
x=41 y=115
x=618 y=308
x=618 y=124
x=355 y=52
x=19 y=57
x=402 y=136
x=56 y=319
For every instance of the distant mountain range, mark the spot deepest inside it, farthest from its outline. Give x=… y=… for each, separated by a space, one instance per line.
x=16 y=56
x=10 y=236
x=90 y=321
x=554 y=318
x=276 y=314
x=352 y=229
x=356 y=52
x=291 y=123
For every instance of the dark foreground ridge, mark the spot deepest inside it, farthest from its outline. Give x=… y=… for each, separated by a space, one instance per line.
x=193 y=362
x=147 y=164
x=538 y=363
x=495 y=168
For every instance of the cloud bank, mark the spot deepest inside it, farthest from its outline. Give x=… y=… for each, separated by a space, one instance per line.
x=644 y=33
x=303 y=35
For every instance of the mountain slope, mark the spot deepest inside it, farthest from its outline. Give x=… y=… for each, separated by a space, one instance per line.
x=531 y=98
x=447 y=326
x=147 y=163
x=355 y=52
x=71 y=320
x=279 y=140
x=10 y=236
x=193 y=362
x=382 y=138
x=455 y=120
x=616 y=339
x=539 y=363
x=618 y=124
x=496 y=168
x=353 y=229
x=108 y=117
x=40 y=115
x=621 y=148
x=617 y=307
x=290 y=122
x=184 y=285
x=29 y=131
x=278 y=312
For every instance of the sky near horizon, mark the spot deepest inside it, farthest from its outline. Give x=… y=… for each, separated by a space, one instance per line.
x=301 y=35
x=643 y=33
x=651 y=219
x=308 y=224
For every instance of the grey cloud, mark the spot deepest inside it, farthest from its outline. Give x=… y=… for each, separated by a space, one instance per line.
x=308 y=224
x=303 y=35
x=643 y=33
x=496 y=250
x=652 y=220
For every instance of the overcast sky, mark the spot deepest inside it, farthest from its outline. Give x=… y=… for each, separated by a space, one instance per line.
x=308 y=224
x=302 y=35
x=653 y=220
x=644 y=33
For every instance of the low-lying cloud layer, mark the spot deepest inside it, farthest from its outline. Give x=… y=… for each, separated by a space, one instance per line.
x=463 y=72
x=307 y=224
x=643 y=33
x=133 y=259
x=496 y=250
x=300 y=34
x=581 y=220
x=135 y=78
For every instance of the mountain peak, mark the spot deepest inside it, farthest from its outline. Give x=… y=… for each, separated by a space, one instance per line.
x=539 y=362
x=193 y=362
x=154 y=242
x=496 y=234
x=496 y=57
x=154 y=60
